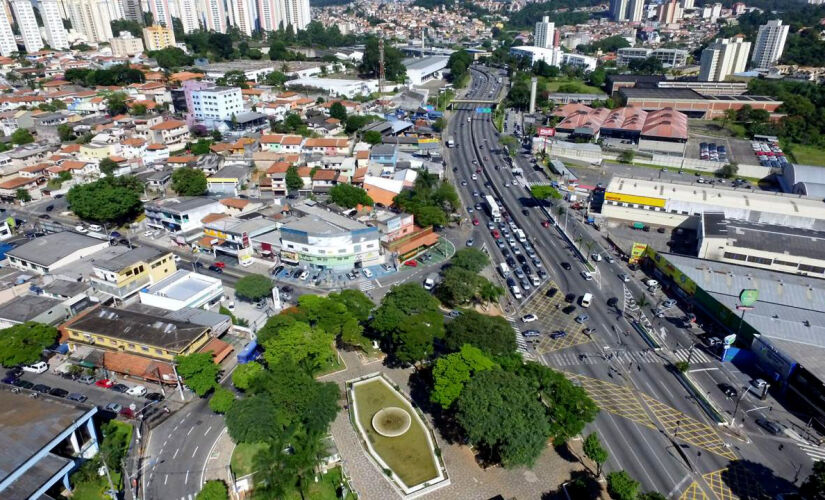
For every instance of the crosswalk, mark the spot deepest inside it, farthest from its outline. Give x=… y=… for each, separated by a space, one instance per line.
x=521 y=344
x=365 y=286
x=813 y=451
x=572 y=358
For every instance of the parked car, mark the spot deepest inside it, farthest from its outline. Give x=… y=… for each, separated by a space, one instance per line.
x=76 y=396
x=58 y=392
x=86 y=379
x=582 y=318
x=137 y=390
x=23 y=384
x=38 y=367
x=154 y=396
x=114 y=407
x=529 y=318
x=105 y=383
x=121 y=388
x=42 y=388
x=215 y=268
x=558 y=335
x=668 y=304
x=531 y=333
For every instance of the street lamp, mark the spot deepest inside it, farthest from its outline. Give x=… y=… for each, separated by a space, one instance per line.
x=736 y=407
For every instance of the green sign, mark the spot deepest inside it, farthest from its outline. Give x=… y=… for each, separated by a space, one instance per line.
x=748 y=296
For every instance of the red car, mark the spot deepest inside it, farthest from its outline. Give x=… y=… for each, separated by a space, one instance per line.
x=545 y=223
x=478 y=170
x=127 y=413
x=105 y=383
x=496 y=234
x=220 y=264
x=411 y=263
x=475 y=222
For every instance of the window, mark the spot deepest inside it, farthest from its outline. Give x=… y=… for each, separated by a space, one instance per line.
x=735 y=256
x=811 y=269
x=784 y=263
x=760 y=260
x=144 y=348
x=158 y=351
x=131 y=346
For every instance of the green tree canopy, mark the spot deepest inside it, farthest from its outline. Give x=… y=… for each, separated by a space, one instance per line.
x=356 y=302
x=22 y=136
x=333 y=317
x=453 y=371
x=253 y=287
x=814 y=486
x=430 y=200
x=171 y=58
x=110 y=199
x=293 y=180
x=594 y=450
x=372 y=137
x=492 y=334
x=470 y=259
x=349 y=196
x=201 y=148
x=23 y=195
x=107 y=166
x=337 y=110
x=621 y=486
x=245 y=374
x=213 y=489
x=542 y=192
x=221 y=401
x=23 y=344
x=408 y=322
x=199 y=371
x=116 y=103
x=255 y=419
x=394 y=69
x=311 y=348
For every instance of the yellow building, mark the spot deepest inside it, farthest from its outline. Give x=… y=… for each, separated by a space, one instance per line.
x=132 y=270
x=157 y=37
x=96 y=152
x=132 y=332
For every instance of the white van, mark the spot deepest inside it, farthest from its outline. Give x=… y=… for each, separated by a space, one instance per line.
x=586 y=299
x=651 y=283
x=516 y=292
x=504 y=270
x=38 y=367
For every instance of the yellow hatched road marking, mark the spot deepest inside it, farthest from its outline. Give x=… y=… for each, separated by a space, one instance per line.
x=552 y=319
x=688 y=429
x=613 y=398
x=735 y=483
x=693 y=492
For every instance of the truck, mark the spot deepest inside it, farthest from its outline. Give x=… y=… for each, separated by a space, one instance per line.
x=520 y=235
x=492 y=208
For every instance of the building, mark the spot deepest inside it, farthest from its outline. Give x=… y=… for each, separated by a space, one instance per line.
x=189 y=18
x=214 y=107
x=123 y=275
x=213 y=14
x=231 y=236
x=126 y=45
x=30 y=307
x=767 y=246
x=670 y=57
x=271 y=14
x=132 y=11
x=807 y=180
x=297 y=13
x=180 y=214
x=160 y=13
x=131 y=332
x=27 y=24
x=174 y=134
x=670 y=12
x=157 y=37
x=43 y=255
x=420 y=70
x=336 y=86
x=692 y=103
x=53 y=24
x=183 y=289
x=91 y=19
x=626 y=10
x=228 y=180
x=44 y=440
x=242 y=18
x=554 y=57
x=723 y=58
x=544 y=36
x=8 y=45
x=770 y=43
x=327 y=240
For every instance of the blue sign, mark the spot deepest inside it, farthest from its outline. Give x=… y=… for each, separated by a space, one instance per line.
x=484 y=110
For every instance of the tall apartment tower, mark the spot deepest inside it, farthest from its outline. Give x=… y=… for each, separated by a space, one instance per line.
x=544 y=35
x=91 y=19
x=627 y=10
x=687 y=4
x=723 y=58
x=271 y=14
x=770 y=43
x=188 y=15
x=241 y=17
x=160 y=12
x=213 y=14
x=27 y=24
x=7 y=44
x=297 y=13
x=132 y=11
x=53 y=23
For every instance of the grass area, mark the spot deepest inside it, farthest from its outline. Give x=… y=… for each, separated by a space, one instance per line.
x=90 y=490
x=715 y=128
x=807 y=155
x=581 y=87
x=332 y=368
x=242 y=456
x=408 y=455
x=325 y=489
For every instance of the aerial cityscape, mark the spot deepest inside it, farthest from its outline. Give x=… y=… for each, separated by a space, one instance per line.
x=470 y=249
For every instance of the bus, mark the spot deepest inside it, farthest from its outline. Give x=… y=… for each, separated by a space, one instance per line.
x=492 y=208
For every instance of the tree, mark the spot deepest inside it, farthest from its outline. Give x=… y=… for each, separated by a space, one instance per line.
x=594 y=451
x=627 y=156
x=253 y=287
x=337 y=110
x=453 y=371
x=729 y=170
x=108 y=166
x=214 y=489
x=394 y=69
x=621 y=486
x=308 y=347
x=501 y=414
x=814 y=486
x=333 y=317
x=408 y=322
x=189 y=181
x=470 y=259
x=137 y=109
x=439 y=124
x=199 y=371
x=201 y=147
x=23 y=195
x=171 y=58
x=245 y=374
x=65 y=132
x=682 y=366
x=349 y=196
x=543 y=192
x=356 y=302
x=293 y=180
x=221 y=400
x=116 y=103
x=255 y=419
x=22 y=136
x=110 y=199
x=23 y=344
x=492 y=334
x=373 y=137
x=652 y=495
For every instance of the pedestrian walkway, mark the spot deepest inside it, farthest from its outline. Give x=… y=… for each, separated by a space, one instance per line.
x=815 y=452
x=365 y=286
x=521 y=343
x=647 y=356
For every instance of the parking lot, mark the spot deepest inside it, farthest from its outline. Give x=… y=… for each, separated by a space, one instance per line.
x=738 y=150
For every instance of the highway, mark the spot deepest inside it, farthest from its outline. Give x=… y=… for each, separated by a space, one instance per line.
x=650 y=425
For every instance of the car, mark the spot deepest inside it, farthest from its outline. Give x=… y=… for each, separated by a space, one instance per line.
x=525 y=212
x=49 y=208
x=470 y=242
x=728 y=390
x=42 y=388
x=612 y=301
x=596 y=257
x=545 y=223
x=582 y=319
x=44 y=216
x=127 y=413
x=38 y=367
x=14 y=372
x=470 y=210
x=624 y=277
x=475 y=222
x=76 y=396
x=121 y=388
x=215 y=269
x=137 y=390
x=367 y=273
x=10 y=379
x=105 y=383
x=474 y=176
x=529 y=318
x=96 y=228
x=277 y=270
x=651 y=283
x=609 y=259
x=23 y=384
x=566 y=266
x=501 y=245
x=770 y=426
x=542 y=275
x=668 y=304
x=80 y=229
x=114 y=407
x=475 y=194
x=154 y=396
x=587 y=276
x=220 y=264
x=525 y=285
x=463 y=183
x=411 y=263
x=558 y=335
x=478 y=206
x=536 y=261
x=589 y=331
x=303 y=276
x=531 y=333
x=59 y=393
x=147 y=234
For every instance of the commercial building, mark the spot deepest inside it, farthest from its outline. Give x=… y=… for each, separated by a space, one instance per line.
x=336 y=86
x=544 y=33
x=44 y=440
x=91 y=19
x=53 y=24
x=768 y=246
x=8 y=45
x=27 y=24
x=626 y=10
x=672 y=204
x=43 y=255
x=30 y=307
x=724 y=58
x=420 y=70
x=213 y=107
x=232 y=236
x=770 y=43
x=158 y=37
x=182 y=214
x=618 y=82
x=124 y=275
x=325 y=239
x=692 y=103
x=126 y=45
x=183 y=289
x=669 y=57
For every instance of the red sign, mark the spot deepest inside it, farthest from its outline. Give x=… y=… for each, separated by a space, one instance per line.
x=546 y=131
x=245 y=240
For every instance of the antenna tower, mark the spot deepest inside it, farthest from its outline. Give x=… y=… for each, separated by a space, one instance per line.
x=380 y=65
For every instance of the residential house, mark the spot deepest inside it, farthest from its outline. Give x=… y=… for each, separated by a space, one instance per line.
x=10 y=187
x=173 y=133
x=324 y=180
x=228 y=180
x=327 y=146
x=238 y=206
x=182 y=214
x=133 y=147
x=280 y=143
x=155 y=154
x=125 y=274
x=277 y=177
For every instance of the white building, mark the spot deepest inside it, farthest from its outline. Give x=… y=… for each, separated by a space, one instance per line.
x=687 y=4
x=627 y=10
x=44 y=254
x=297 y=13
x=27 y=24
x=723 y=58
x=53 y=24
x=554 y=57
x=91 y=19
x=213 y=14
x=271 y=14
x=544 y=33
x=669 y=57
x=770 y=43
x=7 y=43
x=180 y=214
x=182 y=289
x=420 y=70
x=160 y=12
x=126 y=45
x=337 y=86
x=189 y=19
x=215 y=106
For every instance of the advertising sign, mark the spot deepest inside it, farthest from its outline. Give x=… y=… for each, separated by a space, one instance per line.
x=633 y=199
x=546 y=131
x=748 y=296
x=245 y=256
x=636 y=252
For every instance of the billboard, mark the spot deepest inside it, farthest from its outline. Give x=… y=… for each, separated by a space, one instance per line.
x=634 y=199
x=546 y=131
x=748 y=296
x=636 y=252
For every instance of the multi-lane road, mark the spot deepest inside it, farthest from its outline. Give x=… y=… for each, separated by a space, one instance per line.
x=649 y=423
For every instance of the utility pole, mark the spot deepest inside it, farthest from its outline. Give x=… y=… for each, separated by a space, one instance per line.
x=380 y=66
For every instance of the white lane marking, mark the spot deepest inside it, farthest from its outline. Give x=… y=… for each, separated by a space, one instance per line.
x=190 y=431
x=193 y=453
x=186 y=479
x=176 y=454
x=203 y=471
x=207 y=430
x=165 y=478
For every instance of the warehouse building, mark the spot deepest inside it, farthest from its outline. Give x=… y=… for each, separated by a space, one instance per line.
x=692 y=103
x=807 y=180
x=421 y=70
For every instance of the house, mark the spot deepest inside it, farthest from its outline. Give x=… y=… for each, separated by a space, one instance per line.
x=327 y=146
x=173 y=133
x=30 y=307
x=385 y=154
x=133 y=147
x=10 y=187
x=238 y=206
x=277 y=176
x=125 y=274
x=180 y=214
x=280 y=143
x=155 y=153
x=228 y=180
x=324 y=180
x=54 y=250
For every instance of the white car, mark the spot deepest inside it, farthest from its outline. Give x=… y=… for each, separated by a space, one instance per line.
x=529 y=318
x=148 y=234
x=596 y=257
x=624 y=277
x=474 y=177
x=81 y=229
x=137 y=390
x=95 y=228
x=587 y=276
x=177 y=258
x=367 y=273
x=38 y=367
x=651 y=283
x=303 y=275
